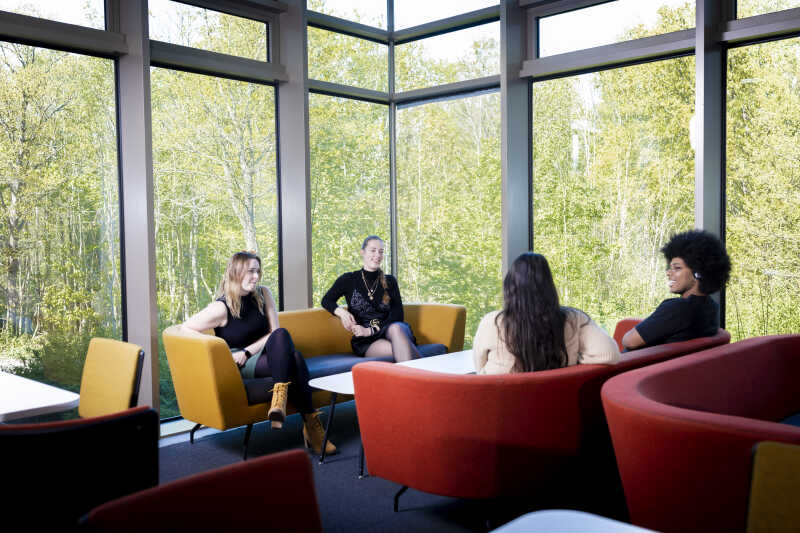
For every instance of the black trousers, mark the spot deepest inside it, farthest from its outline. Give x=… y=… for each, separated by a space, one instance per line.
x=280 y=361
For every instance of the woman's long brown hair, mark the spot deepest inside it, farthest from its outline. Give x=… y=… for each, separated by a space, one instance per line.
x=231 y=284
x=532 y=319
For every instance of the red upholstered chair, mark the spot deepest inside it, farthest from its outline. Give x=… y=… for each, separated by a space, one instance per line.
x=271 y=493
x=623 y=326
x=55 y=472
x=474 y=436
x=683 y=430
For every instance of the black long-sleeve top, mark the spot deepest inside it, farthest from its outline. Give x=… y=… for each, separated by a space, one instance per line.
x=351 y=285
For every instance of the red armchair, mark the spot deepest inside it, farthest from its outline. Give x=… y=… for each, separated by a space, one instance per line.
x=55 y=472
x=274 y=492
x=623 y=326
x=683 y=430
x=485 y=436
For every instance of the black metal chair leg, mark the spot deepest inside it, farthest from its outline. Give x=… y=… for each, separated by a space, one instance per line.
x=191 y=433
x=397 y=496
x=361 y=462
x=247 y=440
x=328 y=427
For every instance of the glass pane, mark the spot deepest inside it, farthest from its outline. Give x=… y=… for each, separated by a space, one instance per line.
x=450 y=57
x=349 y=184
x=215 y=191
x=59 y=222
x=89 y=13
x=186 y=25
x=763 y=191
x=612 y=22
x=369 y=12
x=613 y=179
x=748 y=8
x=448 y=205
x=339 y=58
x=409 y=13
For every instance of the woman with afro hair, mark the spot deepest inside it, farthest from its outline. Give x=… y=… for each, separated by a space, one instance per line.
x=697 y=266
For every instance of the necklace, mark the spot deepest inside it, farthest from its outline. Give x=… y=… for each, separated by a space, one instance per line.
x=371 y=291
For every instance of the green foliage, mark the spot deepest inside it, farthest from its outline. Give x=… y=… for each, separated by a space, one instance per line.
x=763 y=205
x=613 y=177
x=59 y=242
x=349 y=183
x=449 y=222
x=215 y=179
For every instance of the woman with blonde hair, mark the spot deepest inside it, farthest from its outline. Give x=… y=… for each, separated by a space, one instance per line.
x=245 y=316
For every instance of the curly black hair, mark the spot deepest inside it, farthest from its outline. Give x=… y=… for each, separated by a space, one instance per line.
x=705 y=254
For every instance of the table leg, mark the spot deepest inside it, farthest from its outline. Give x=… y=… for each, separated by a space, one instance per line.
x=328 y=427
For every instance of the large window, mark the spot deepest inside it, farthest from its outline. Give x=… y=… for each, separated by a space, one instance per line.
x=408 y=13
x=448 y=204
x=187 y=25
x=338 y=58
x=349 y=184
x=215 y=190
x=88 y=13
x=59 y=211
x=451 y=57
x=612 y=22
x=748 y=8
x=371 y=12
x=613 y=178
x=763 y=189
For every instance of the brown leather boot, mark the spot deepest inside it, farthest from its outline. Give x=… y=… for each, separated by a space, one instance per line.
x=277 y=412
x=314 y=434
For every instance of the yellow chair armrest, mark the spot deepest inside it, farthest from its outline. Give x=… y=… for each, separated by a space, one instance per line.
x=208 y=386
x=437 y=323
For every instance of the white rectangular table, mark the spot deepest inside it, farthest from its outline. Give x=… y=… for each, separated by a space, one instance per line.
x=22 y=397
x=449 y=363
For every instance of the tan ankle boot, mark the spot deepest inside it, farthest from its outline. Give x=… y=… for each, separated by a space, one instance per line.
x=314 y=434
x=277 y=412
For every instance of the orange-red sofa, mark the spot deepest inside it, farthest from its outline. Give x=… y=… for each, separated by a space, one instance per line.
x=683 y=430
x=474 y=436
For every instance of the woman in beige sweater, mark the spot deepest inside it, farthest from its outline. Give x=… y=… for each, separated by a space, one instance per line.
x=532 y=331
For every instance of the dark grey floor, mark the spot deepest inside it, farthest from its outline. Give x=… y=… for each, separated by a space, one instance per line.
x=346 y=503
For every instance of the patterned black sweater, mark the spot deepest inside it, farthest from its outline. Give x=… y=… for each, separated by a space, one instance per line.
x=351 y=285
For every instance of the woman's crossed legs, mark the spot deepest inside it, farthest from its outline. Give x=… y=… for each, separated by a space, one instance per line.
x=397 y=342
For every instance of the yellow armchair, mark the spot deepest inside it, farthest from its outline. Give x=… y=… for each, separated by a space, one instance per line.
x=208 y=386
x=112 y=373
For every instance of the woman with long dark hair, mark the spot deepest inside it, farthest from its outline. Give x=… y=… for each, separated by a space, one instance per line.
x=245 y=316
x=374 y=312
x=533 y=331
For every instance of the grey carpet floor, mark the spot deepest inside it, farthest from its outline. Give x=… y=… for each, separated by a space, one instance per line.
x=346 y=502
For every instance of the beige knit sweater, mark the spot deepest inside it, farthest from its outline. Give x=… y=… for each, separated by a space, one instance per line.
x=586 y=343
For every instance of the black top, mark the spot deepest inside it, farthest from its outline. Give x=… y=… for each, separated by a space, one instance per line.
x=680 y=319
x=242 y=332
x=351 y=286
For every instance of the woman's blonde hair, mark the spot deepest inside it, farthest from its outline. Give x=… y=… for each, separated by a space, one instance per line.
x=230 y=287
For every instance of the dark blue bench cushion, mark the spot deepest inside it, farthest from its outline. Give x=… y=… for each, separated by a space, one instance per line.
x=327 y=365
